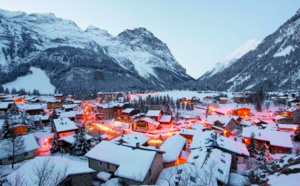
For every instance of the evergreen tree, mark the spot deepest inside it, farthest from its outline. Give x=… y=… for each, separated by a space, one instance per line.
x=24 y=118
x=177 y=104
x=6 y=91
x=167 y=109
x=188 y=107
x=6 y=131
x=54 y=143
x=52 y=117
x=252 y=146
x=182 y=106
x=13 y=111
x=1 y=89
x=265 y=154
x=14 y=91
x=80 y=146
x=192 y=106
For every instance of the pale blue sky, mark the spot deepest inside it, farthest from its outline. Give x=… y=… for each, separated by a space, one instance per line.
x=198 y=32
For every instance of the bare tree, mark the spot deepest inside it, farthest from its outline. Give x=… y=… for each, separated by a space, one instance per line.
x=18 y=180
x=14 y=145
x=43 y=173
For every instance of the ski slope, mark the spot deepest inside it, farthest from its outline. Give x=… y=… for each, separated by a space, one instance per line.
x=37 y=80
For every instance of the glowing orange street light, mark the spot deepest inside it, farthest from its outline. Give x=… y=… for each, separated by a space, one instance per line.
x=295 y=128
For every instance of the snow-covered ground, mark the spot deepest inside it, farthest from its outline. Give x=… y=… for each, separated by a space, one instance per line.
x=37 y=80
x=176 y=94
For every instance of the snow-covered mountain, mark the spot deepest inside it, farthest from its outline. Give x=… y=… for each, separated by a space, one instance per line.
x=273 y=65
x=232 y=57
x=84 y=60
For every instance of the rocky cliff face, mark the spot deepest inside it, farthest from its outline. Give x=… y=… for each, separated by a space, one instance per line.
x=85 y=60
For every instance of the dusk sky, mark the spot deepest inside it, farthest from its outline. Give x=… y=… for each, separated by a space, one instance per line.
x=199 y=33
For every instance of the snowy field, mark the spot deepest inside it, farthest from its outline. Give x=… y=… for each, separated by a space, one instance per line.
x=37 y=80
x=176 y=94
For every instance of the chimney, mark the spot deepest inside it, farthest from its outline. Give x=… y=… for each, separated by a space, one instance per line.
x=138 y=145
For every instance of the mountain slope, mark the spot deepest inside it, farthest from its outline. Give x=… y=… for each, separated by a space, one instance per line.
x=232 y=57
x=273 y=65
x=84 y=60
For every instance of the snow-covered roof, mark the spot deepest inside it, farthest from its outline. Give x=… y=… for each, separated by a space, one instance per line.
x=201 y=139
x=173 y=147
x=201 y=168
x=70 y=106
x=278 y=117
x=30 y=107
x=153 y=113
x=287 y=126
x=223 y=119
x=133 y=163
x=64 y=124
x=246 y=123
x=276 y=138
x=165 y=118
x=70 y=114
x=30 y=144
x=58 y=163
x=132 y=138
x=4 y=105
x=198 y=127
x=127 y=110
x=149 y=120
x=292 y=109
x=105 y=176
x=71 y=139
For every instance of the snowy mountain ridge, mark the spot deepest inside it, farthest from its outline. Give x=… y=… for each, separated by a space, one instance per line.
x=36 y=39
x=273 y=65
x=232 y=57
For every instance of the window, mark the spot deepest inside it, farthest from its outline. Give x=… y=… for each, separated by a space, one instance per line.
x=222 y=160
x=108 y=166
x=25 y=154
x=179 y=171
x=100 y=163
x=220 y=171
x=193 y=179
x=63 y=134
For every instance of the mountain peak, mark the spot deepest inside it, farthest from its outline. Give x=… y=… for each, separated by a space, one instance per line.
x=97 y=31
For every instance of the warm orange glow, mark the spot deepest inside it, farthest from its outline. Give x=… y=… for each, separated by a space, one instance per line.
x=46 y=139
x=225 y=131
x=295 y=128
x=19 y=100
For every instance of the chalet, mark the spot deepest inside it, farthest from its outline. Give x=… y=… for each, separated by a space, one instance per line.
x=154 y=114
x=241 y=98
x=79 y=114
x=4 y=106
x=145 y=124
x=54 y=104
x=118 y=107
x=173 y=147
x=134 y=165
x=280 y=142
x=243 y=124
x=30 y=147
x=281 y=119
x=59 y=96
x=294 y=114
x=108 y=96
x=69 y=107
x=287 y=127
x=70 y=114
x=34 y=109
x=105 y=112
x=128 y=113
x=77 y=173
x=166 y=119
x=207 y=98
x=244 y=111
x=132 y=139
x=222 y=124
x=223 y=100
x=64 y=127
x=212 y=165
x=238 y=150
